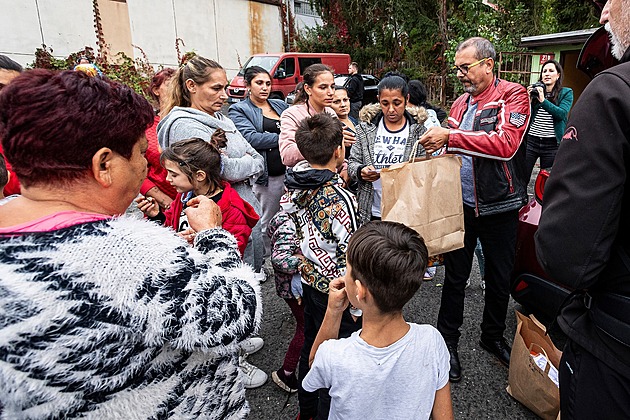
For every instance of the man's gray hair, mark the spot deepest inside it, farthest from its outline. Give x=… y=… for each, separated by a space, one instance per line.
x=483 y=47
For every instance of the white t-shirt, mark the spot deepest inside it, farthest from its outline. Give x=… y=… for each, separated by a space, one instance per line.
x=389 y=148
x=395 y=382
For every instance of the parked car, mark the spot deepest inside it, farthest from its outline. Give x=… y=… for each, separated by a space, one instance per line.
x=370 y=88
x=286 y=70
x=531 y=287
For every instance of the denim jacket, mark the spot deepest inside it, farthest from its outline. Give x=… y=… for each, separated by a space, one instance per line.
x=248 y=119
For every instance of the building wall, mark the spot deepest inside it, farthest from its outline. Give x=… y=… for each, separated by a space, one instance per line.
x=27 y=24
x=116 y=28
x=567 y=56
x=228 y=31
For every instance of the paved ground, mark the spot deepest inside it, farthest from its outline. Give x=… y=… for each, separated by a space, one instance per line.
x=480 y=395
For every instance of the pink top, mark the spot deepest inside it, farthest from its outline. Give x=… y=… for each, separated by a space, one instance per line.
x=289 y=121
x=55 y=221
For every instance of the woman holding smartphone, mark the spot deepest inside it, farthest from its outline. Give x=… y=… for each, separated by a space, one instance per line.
x=385 y=136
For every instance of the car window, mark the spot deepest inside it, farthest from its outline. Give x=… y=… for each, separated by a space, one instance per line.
x=307 y=61
x=266 y=62
x=288 y=65
x=369 y=81
x=341 y=80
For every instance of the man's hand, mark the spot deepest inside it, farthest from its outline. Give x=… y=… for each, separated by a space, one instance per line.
x=434 y=139
x=203 y=213
x=337 y=297
x=370 y=174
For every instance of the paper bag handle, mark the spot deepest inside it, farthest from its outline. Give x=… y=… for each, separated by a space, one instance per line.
x=548 y=365
x=414 y=150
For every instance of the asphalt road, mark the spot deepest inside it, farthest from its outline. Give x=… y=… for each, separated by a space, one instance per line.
x=480 y=395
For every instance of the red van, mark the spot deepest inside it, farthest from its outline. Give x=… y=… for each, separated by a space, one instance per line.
x=286 y=71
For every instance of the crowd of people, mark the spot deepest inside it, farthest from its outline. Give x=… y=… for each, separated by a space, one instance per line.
x=107 y=315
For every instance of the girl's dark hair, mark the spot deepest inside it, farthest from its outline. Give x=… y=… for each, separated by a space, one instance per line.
x=417 y=93
x=558 y=86
x=159 y=78
x=252 y=72
x=394 y=83
x=310 y=74
x=194 y=155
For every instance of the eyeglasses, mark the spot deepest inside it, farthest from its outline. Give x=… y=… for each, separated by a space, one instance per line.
x=465 y=67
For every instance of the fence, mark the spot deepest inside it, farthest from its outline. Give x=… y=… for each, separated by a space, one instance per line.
x=512 y=66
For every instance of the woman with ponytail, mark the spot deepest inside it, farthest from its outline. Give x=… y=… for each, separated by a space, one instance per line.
x=193 y=109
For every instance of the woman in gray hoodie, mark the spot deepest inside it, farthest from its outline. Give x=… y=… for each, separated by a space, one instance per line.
x=193 y=109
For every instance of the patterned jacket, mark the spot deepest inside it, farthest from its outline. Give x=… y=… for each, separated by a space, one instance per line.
x=362 y=152
x=284 y=246
x=325 y=216
x=122 y=319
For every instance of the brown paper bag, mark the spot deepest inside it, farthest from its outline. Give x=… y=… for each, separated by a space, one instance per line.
x=426 y=195
x=528 y=383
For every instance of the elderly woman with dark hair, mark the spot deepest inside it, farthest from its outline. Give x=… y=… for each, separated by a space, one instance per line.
x=104 y=316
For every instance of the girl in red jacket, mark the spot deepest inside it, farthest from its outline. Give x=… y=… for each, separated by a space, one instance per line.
x=193 y=168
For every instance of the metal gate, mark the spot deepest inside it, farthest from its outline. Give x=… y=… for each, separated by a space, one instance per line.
x=516 y=66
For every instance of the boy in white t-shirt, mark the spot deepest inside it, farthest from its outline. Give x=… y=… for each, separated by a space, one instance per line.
x=390 y=369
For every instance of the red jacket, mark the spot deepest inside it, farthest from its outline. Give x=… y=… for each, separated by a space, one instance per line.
x=13 y=187
x=239 y=217
x=495 y=144
x=156 y=174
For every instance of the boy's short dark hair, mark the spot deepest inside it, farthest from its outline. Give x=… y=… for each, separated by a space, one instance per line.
x=4 y=174
x=318 y=137
x=389 y=259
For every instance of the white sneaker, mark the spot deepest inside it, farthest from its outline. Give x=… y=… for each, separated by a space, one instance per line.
x=261 y=277
x=252 y=345
x=251 y=376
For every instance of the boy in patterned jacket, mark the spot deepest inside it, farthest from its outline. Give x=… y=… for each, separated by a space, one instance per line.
x=325 y=216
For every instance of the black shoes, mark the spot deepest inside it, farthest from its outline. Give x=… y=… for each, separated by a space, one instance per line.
x=500 y=349
x=455 y=373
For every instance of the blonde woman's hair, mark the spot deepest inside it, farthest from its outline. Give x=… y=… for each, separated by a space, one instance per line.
x=198 y=69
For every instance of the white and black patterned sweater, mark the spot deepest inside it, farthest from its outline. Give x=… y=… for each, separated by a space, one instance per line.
x=121 y=319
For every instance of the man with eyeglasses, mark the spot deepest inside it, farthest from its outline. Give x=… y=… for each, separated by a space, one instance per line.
x=486 y=127
x=583 y=240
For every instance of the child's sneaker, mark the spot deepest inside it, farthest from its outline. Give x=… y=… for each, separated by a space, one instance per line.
x=287 y=382
x=252 y=345
x=251 y=376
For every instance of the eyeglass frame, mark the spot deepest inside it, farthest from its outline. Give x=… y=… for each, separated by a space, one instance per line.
x=457 y=68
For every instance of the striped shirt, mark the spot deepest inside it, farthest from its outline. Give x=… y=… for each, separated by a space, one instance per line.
x=542 y=124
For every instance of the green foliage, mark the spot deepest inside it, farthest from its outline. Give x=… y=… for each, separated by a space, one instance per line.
x=572 y=15
x=405 y=34
x=136 y=74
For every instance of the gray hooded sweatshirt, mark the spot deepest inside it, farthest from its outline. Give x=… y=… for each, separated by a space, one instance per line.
x=241 y=162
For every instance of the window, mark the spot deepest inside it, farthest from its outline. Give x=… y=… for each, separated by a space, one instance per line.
x=307 y=61
x=288 y=66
